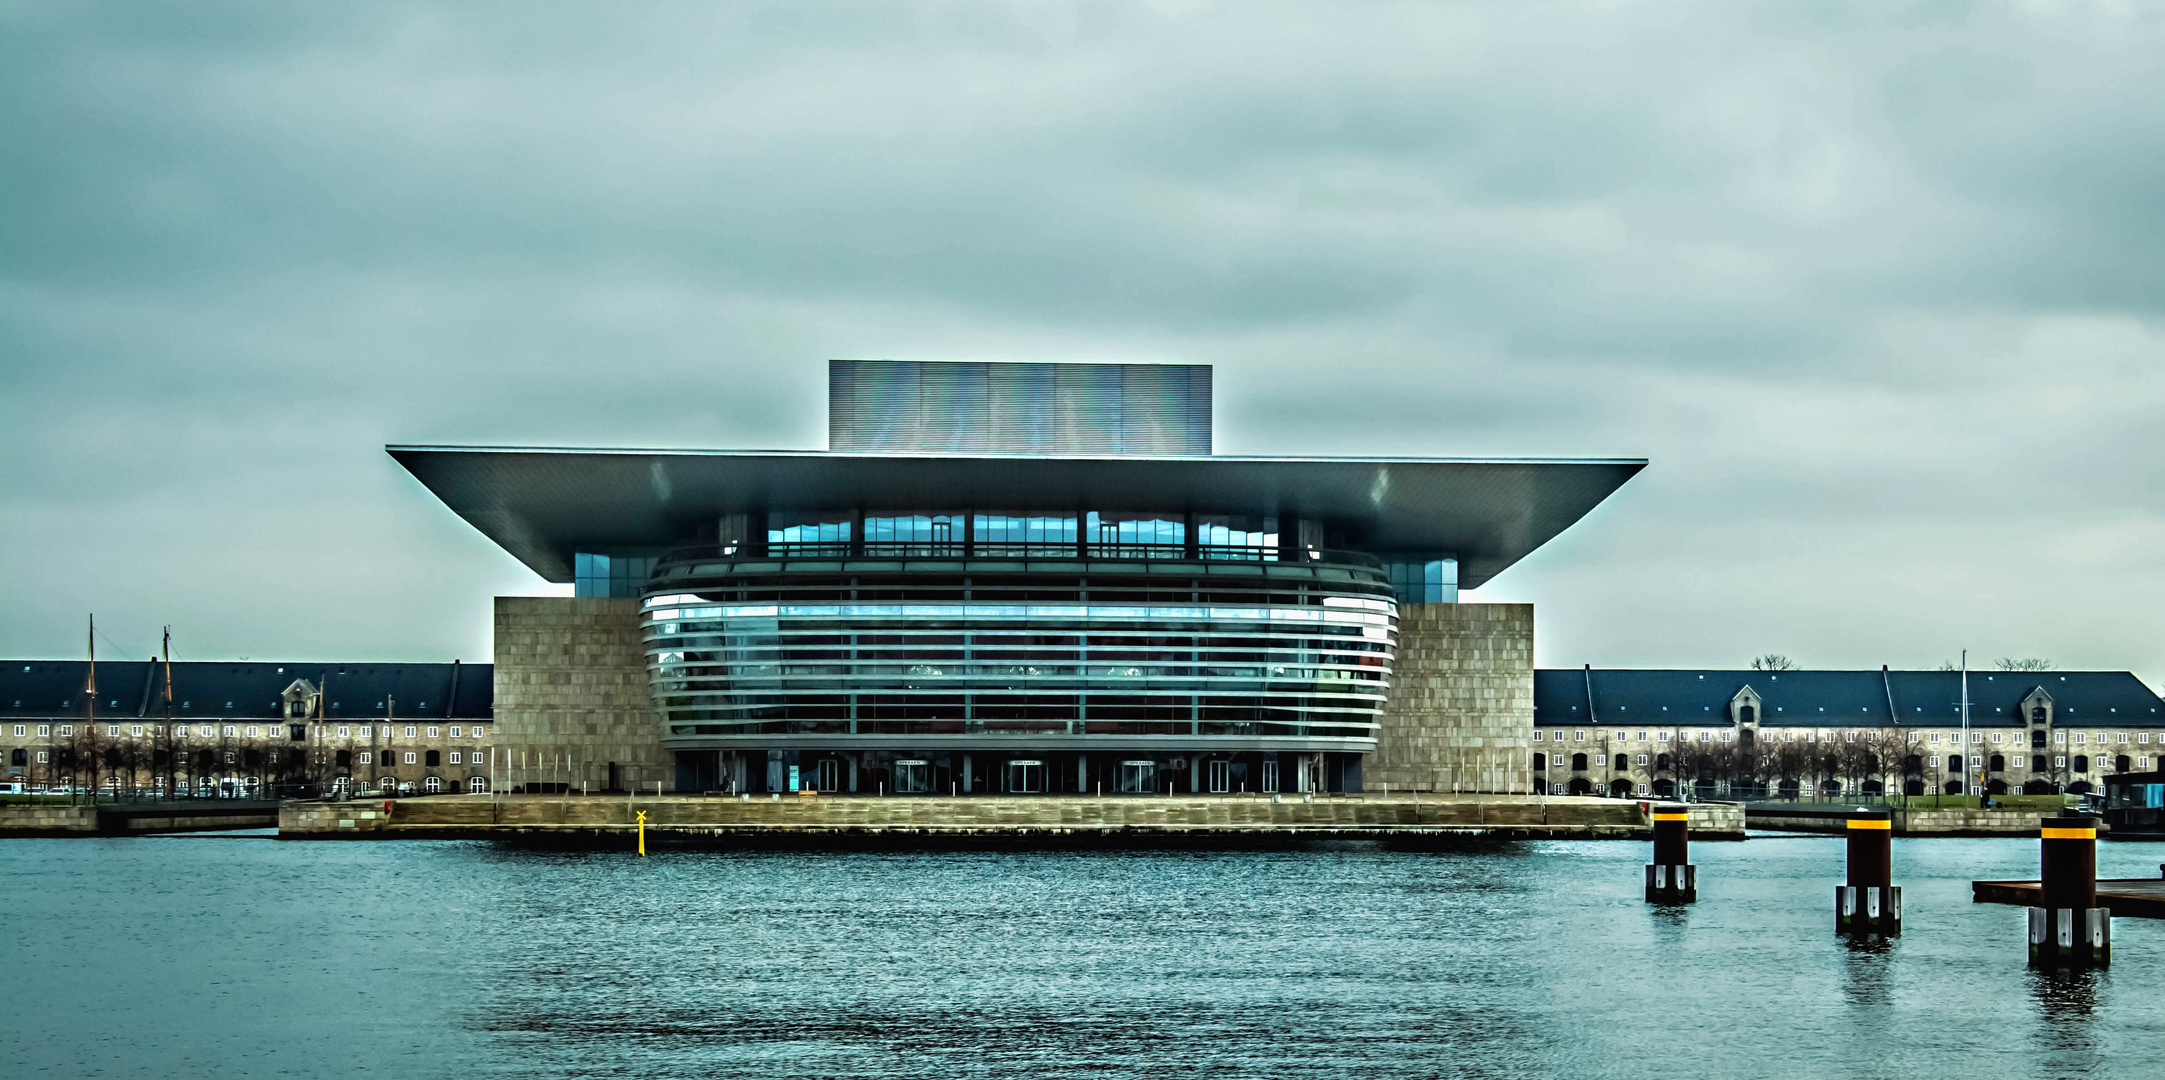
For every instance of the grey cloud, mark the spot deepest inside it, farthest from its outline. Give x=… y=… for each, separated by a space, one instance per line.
x=1876 y=288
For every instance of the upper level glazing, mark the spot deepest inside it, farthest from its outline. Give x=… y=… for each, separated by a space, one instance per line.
x=1047 y=648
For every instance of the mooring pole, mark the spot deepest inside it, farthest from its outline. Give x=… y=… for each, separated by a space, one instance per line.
x=1671 y=878
x=2070 y=930
x=1870 y=904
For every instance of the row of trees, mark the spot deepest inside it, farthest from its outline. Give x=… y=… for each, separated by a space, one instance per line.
x=1889 y=757
x=1779 y=662
x=86 y=756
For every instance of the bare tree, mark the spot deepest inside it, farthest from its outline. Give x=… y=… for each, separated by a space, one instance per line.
x=1773 y=662
x=2027 y=663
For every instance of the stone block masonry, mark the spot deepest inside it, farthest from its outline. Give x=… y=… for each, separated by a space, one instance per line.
x=572 y=704
x=1461 y=711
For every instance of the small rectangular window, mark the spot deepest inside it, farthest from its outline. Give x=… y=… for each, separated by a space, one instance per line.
x=366 y=757
x=19 y=731
x=477 y=731
x=342 y=731
x=41 y=757
x=45 y=730
x=367 y=732
x=1579 y=737
x=112 y=731
x=67 y=730
x=255 y=732
x=1642 y=759
x=2018 y=761
x=206 y=731
x=455 y=732
x=1934 y=761
x=1934 y=737
x=454 y=757
x=2081 y=737
x=409 y=757
x=435 y=733
x=135 y=729
x=2059 y=762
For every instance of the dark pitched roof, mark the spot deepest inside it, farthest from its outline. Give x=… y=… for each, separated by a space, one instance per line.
x=245 y=689
x=1840 y=698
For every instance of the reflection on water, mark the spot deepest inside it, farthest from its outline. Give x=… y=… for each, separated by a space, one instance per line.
x=2066 y=1009
x=156 y=957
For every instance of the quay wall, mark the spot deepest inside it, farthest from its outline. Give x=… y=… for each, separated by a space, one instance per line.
x=108 y=820
x=764 y=816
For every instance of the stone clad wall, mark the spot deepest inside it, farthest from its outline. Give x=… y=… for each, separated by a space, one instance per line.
x=1461 y=711
x=571 y=683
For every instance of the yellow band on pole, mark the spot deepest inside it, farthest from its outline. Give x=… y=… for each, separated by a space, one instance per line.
x=642 y=832
x=2069 y=834
x=1870 y=823
x=1672 y=817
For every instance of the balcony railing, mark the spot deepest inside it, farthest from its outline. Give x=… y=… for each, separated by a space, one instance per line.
x=1001 y=549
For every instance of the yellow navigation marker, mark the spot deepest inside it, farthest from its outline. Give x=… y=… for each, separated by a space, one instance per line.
x=642 y=832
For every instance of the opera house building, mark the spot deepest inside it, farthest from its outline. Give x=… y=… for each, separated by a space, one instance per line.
x=1015 y=578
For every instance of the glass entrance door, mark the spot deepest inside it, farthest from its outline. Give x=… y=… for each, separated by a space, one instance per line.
x=1138 y=778
x=1025 y=777
x=913 y=777
x=1220 y=776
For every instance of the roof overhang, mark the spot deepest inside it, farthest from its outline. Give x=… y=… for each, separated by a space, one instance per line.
x=544 y=504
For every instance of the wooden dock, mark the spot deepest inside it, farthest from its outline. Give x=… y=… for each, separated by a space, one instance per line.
x=2129 y=898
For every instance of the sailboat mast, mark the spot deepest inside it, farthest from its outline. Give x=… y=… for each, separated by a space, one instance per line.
x=1966 y=754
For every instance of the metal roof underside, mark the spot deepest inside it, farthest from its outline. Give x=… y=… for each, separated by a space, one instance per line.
x=543 y=505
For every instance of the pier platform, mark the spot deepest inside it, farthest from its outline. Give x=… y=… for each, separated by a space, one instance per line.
x=2129 y=898
x=1200 y=820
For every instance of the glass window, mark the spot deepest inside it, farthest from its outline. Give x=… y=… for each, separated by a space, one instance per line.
x=1236 y=536
x=367 y=731
x=1133 y=533
x=477 y=731
x=435 y=732
x=455 y=733
x=809 y=534
x=231 y=731
x=367 y=758
x=454 y=757
x=135 y=729
x=1419 y=580
x=609 y=575
x=913 y=534
x=1019 y=533
x=409 y=731
x=409 y=757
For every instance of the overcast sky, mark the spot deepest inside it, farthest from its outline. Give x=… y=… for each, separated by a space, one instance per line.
x=1877 y=289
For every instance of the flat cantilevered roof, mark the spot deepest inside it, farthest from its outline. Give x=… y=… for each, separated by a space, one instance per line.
x=545 y=504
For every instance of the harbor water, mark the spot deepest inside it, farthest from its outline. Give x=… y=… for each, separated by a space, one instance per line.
x=244 y=956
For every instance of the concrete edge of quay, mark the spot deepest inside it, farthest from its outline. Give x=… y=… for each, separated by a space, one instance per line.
x=1039 y=821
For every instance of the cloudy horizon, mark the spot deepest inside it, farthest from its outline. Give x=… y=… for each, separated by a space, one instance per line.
x=1875 y=288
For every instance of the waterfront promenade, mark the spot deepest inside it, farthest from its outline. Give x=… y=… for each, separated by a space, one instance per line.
x=724 y=820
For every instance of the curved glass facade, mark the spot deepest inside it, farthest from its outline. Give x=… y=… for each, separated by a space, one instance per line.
x=1140 y=651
